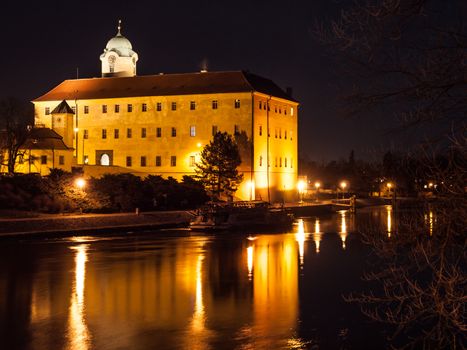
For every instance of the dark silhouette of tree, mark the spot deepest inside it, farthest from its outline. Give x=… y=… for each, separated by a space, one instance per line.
x=217 y=169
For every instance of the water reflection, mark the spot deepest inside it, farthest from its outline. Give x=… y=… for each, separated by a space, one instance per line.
x=300 y=237
x=78 y=334
x=317 y=235
x=389 y=220
x=343 y=231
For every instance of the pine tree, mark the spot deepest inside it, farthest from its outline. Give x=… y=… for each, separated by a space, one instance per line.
x=217 y=169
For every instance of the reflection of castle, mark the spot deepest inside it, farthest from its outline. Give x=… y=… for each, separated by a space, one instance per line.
x=157 y=124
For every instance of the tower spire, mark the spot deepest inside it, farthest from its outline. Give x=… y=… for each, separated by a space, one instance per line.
x=119 y=26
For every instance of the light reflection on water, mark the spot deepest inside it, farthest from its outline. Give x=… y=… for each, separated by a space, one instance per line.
x=267 y=291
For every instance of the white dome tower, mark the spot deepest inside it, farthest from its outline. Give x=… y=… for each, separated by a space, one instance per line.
x=119 y=59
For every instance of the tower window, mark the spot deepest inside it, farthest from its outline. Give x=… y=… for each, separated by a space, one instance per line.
x=158 y=161
x=143 y=132
x=192 y=131
x=285 y=162
x=280 y=162
x=260 y=104
x=116 y=134
x=104 y=133
x=144 y=107
x=47 y=110
x=260 y=160
x=237 y=103
x=143 y=161
x=85 y=134
x=128 y=161
x=117 y=108
x=192 y=105
x=173 y=161
x=260 y=130
x=86 y=109
x=61 y=160
x=174 y=106
x=159 y=106
x=192 y=161
x=158 y=132
x=128 y=133
x=174 y=132
x=214 y=130
x=285 y=134
x=43 y=159
x=104 y=108
x=291 y=111
x=129 y=107
x=280 y=133
x=214 y=104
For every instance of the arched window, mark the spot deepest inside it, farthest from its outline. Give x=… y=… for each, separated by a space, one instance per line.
x=105 y=160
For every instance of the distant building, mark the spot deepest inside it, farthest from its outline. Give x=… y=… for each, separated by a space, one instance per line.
x=158 y=124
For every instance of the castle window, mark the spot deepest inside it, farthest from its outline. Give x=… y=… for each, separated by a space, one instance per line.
x=129 y=107
x=174 y=106
x=236 y=129
x=144 y=107
x=275 y=109
x=85 y=134
x=285 y=111
x=158 y=132
x=86 y=109
x=260 y=160
x=159 y=106
x=192 y=105
x=173 y=161
x=158 y=161
x=128 y=133
x=260 y=130
x=143 y=132
x=214 y=130
x=47 y=110
x=291 y=111
x=280 y=133
x=269 y=132
x=174 y=132
x=104 y=108
x=117 y=108
x=285 y=162
x=280 y=110
x=104 y=133
x=128 y=161
x=192 y=131
x=291 y=136
x=285 y=134
x=214 y=104
x=143 y=161
x=192 y=161
x=43 y=159
x=116 y=134
x=280 y=162
x=260 y=104
x=275 y=133
x=237 y=103
x=275 y=162
x=61 y=160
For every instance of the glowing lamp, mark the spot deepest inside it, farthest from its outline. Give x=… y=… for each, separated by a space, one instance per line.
x=317 y=184
x=343 y=185
x=301 y=186
x=80 y=183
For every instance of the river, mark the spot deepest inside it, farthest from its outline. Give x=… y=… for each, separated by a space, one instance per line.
x=176 y=290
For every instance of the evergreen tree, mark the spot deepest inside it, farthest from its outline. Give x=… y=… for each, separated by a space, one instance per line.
x=217 y=169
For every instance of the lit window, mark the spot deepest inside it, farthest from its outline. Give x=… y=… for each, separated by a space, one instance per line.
x=174 y=132
x=285 y=162
x=159 y=106
x=236 y=129
x=128 y=133
x=158 y=132
x=214 y=130
x=192 y=131
x=144 y=107
x=173 y=161
x=260 y=130
x=158 y=161
x=143 y=161
x=104 y=108
x=237 y=103
x=86 y=159
x=260 y=160
x=192 y=105
x=43 y=159
x=116 y=133
x=117 y=108
x=85 y=134
x=61 y=160
x=291 y=111
x=214 y=104
x=143 y=132
x=192 y=161
x=104 y=133
x=47 y=110
x=174 y=106
x=129 y=108
x=128 y=161
x=86 y=109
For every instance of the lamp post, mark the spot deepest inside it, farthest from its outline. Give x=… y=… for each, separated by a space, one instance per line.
x=317 y=186
x=80 y=184
x=343 y=185
x=301 y=187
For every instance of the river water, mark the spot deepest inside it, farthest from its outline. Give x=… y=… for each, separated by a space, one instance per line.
x=176 y=290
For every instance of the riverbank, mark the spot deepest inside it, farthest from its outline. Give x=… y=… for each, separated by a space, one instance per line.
x=79 y=224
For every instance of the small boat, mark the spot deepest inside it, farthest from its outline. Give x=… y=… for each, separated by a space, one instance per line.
x=255 y=215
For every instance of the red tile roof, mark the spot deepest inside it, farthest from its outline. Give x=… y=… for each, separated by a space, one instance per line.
x=163 y=85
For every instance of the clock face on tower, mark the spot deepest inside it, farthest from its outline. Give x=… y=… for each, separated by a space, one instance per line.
x=111 y=59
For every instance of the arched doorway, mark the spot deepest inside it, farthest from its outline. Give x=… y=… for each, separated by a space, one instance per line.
x=105 y=159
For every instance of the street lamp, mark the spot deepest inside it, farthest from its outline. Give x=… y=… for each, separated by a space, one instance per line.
x=343 y=185
x=80 y=183
x=317 y=186
x=301 y=187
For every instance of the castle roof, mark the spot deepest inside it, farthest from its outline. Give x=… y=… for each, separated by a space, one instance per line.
x=163 y=85
x=62 y=107
x=44 y=138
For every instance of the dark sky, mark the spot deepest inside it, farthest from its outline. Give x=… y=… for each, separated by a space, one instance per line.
x=44 y=41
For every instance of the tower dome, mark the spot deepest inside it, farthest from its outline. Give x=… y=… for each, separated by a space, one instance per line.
x=118 y=58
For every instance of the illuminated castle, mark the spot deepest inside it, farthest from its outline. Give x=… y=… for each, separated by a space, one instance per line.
x=158 y=124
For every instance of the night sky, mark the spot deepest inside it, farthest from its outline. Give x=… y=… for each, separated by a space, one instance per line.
x=44 y=42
